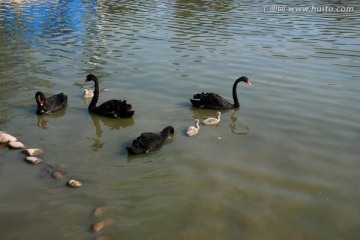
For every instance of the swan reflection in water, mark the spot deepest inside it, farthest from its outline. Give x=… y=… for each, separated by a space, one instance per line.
x=236 y=127
x=240 y=128
x=42 y=120
x=109 y=122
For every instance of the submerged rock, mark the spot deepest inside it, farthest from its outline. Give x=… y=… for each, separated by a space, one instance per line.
x=97 y=227
x=5 y=137
x=74 y=183
x=16 y=145
x=58 y=175
x=99 y=211
x=33 y=151
x=33 y=160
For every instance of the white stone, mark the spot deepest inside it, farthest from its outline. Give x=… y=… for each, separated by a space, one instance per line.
x=33 y=151
x=33 y=160
x=5 y=137
x=74 y=183
x=17 y=145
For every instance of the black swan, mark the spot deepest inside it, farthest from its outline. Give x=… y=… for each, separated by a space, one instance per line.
x=112 y=108
x=50 y=104
x=149 y=141
x=215 y=101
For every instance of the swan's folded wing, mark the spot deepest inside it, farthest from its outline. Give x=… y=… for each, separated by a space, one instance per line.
x=55 y=102
x=209 y=100
x=148 y=141
x=213 y=99
x=115 y=108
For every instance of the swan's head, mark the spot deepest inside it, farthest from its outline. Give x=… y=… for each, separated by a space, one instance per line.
x=218 y=114
x=90 y=77
x=168 y=130
x=40 y=98
x=197 y=96
x=244 y=79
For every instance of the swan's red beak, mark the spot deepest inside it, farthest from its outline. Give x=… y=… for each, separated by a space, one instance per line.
x=42 y=102
x=248 y=82
x=85 y=81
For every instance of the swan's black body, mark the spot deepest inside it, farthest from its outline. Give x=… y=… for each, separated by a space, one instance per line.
x=215 y=101
x=149 y=141
x=112 y=108
x=50 y=104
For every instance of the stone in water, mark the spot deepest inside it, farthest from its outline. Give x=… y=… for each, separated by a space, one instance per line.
x=33 y=151
x=17 y=145
x=5 y=137
x=33 y=160
x=74 y=183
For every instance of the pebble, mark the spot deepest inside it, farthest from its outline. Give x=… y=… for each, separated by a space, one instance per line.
x=58 y=175
x=33 y=151
x=97 y=227
x=74 y=183
x=5 y=137
x=33 y=160
x=16 y=145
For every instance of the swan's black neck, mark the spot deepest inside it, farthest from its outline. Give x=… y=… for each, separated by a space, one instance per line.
x=95 y=98
x=39 y=96
x=234 y=93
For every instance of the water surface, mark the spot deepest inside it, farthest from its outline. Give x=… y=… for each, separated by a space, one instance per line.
x=283 y=166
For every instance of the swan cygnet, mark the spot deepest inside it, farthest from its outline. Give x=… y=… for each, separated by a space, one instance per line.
x=212 y=120
x=88 y=93
x=193 y=130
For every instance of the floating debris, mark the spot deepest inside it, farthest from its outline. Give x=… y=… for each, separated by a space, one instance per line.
x=74 y=183
x=97 y=227
x=5 y=137
x=58 y=175
x=16 y=145
x=33 y=160
x=33 y=151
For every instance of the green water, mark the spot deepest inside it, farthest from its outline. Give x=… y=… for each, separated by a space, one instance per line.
x=284 y=166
